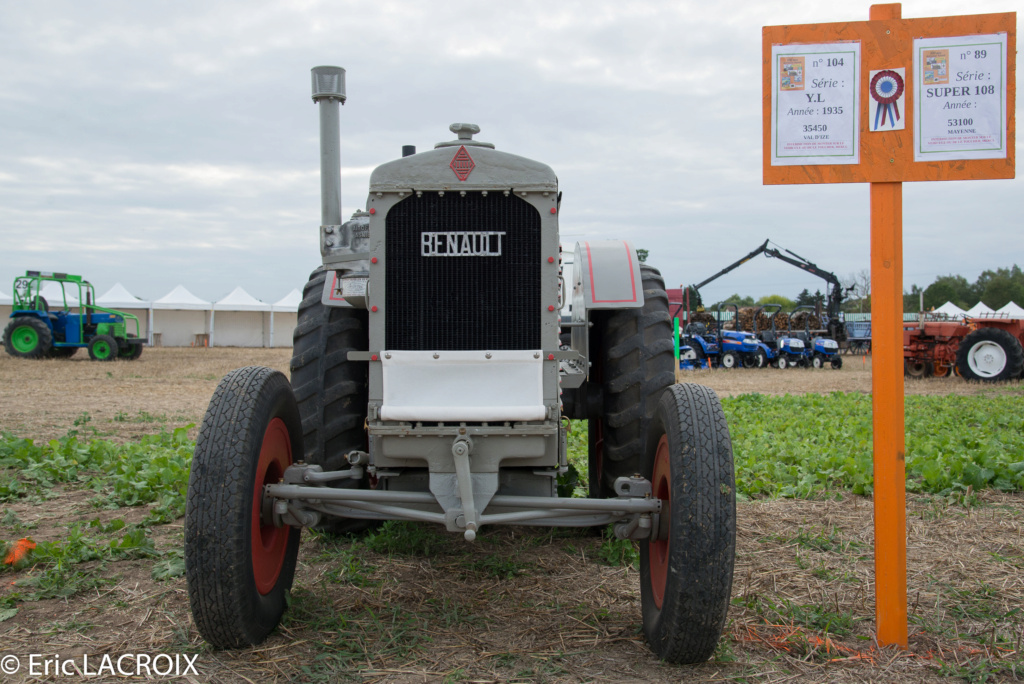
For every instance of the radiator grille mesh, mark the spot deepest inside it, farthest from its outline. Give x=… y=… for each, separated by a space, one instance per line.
x=465 y=302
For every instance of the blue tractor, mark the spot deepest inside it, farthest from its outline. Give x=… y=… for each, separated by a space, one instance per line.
x=775 y=348
x=821 y=350
x=702 y=344
x=738 y=348
x=38 y=331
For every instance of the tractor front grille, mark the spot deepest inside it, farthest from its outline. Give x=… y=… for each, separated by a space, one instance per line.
x=444 y=301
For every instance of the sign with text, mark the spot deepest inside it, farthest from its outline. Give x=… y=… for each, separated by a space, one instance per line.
x=815 y=95
x=961 y=107
x=889 y=100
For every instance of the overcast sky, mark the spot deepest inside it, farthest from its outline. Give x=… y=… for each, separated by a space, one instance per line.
x=165 y=143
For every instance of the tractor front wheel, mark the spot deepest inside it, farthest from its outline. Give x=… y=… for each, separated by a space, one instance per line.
x=103 y=348
x=686 y=568
x=818 y=361
x=837 y=362
x=239 y=566
x=28 y=338
x=728 y=360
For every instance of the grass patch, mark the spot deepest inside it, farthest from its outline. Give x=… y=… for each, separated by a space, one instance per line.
x=153 y=469
x=804 y=446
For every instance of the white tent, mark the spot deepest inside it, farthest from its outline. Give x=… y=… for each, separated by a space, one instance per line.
x=6 y=306
x=950 y=309
x=178 y=317
x=980 y=309
x=118 y=297
x=286 y=311
x=55 y=298
x=240 y=322
x=1011 y=310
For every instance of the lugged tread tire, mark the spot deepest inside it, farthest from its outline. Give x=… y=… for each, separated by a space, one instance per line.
x=227 y=607
x=103 y=344
x=42 y=331
x=331 y=391
x=1011 y=348
x=697 y=563
x=634 y=351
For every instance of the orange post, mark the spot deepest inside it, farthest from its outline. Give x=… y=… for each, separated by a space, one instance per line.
x=890 y=489
x=887 y=406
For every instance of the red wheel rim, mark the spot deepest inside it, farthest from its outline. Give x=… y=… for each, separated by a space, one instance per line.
x=661 y=481
x=269 y=543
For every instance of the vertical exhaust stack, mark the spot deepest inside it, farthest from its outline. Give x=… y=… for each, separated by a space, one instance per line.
x=329 y=93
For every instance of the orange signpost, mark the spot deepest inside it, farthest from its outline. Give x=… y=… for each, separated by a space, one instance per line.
x=882 y=102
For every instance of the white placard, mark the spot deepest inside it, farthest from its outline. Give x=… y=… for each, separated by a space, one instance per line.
x=815 y=104
x=961 y=97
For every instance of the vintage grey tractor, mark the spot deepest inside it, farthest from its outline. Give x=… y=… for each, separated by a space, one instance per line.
x=428 y=384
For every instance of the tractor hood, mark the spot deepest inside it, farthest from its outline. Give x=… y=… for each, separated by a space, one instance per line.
x=463 y=164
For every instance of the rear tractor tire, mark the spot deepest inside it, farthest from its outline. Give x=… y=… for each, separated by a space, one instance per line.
x=239 y=567
x=103 y=348
x=635 y=362
x=686 y=573
x=990 y=355
x=331 y=391
x=27 y=337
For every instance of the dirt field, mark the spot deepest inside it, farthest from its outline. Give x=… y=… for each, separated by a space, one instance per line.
x=521 y=605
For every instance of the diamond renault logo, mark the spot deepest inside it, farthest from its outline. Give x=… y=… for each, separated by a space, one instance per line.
x=462 y=164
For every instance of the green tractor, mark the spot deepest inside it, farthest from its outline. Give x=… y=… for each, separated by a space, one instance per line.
x=36 y=331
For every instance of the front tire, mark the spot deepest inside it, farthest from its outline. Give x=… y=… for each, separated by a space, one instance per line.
x=686 y=577
x=635 y=359
x=27 y=337
x=837 y=362
x=990 y=355
x=728 y=360
x=239 y=569
x=103 y=348
x=331 y=391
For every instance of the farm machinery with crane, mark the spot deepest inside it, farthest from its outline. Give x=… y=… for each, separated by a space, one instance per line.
x=833 y=324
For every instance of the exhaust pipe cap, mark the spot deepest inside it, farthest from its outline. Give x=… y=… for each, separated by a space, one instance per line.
x=328 y=81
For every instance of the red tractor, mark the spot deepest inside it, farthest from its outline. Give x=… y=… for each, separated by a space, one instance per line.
x=987 y=349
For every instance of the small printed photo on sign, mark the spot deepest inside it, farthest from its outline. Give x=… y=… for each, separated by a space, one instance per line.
x=936 y=67
x=791 y=73
x=887 y=90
